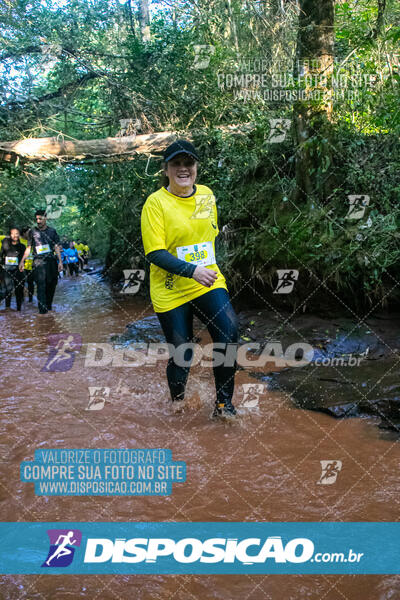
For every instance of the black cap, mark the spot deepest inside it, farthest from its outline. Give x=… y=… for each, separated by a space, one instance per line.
x=180 y=147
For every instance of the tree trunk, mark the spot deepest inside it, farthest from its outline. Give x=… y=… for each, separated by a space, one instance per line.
x=144 y=20
x=55 y=148
x=130 y=15
x=380 y=19
x=232 y=26
x=103 y=150
x=314 y=67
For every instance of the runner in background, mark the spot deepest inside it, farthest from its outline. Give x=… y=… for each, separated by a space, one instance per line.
x=72 y=258
x=43 y=241
x=11 y=254
x=79 y=247
x=28 y=266
x=86 y=253
x=64 y=246
x=64 y=260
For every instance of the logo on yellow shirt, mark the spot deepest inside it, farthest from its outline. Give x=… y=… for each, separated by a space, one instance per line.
x=204 y=206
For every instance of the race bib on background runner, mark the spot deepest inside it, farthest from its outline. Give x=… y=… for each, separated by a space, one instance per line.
x=12 y=260
x=43 y=249
x=28 y=262
x=197 y=254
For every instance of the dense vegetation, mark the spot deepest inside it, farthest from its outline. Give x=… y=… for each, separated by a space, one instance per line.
x=77 y=68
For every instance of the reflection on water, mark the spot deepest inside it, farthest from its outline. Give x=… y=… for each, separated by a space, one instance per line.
x=265 y=467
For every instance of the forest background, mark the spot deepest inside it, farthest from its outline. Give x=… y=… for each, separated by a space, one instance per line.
x=293 y=105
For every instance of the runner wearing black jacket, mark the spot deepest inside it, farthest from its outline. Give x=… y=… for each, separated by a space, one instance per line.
x=44 y=241
x=11 y=253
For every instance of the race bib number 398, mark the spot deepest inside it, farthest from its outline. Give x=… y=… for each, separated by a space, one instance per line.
x=197 y=254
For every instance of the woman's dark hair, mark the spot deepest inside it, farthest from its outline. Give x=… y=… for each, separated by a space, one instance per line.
x=14 y=227
x=164 y=181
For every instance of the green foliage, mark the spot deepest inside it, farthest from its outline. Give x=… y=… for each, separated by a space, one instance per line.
x=268 y=231
x=103 y=72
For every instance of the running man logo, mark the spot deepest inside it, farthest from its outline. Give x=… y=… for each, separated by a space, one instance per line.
x=133 y=278
x=62 y=350
x=98 y=396
x=330 y=470
x=357 y=207
x=286 y=280
x=61 y=551
x=202 y=55
x=204 y=206
x=252 y=393
x=55 y=204
x=278 y=130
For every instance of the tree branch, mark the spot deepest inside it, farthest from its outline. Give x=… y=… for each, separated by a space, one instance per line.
x=21 y=52
x=56 y=94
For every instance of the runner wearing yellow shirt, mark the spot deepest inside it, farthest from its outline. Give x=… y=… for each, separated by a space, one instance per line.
x=28 y=266
x=86 y=253
x=80 y=249
x=179 y=227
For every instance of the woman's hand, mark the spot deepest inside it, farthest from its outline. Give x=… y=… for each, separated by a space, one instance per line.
x=205 y=276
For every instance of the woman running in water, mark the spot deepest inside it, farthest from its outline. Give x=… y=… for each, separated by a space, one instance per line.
x=11 y=253
x=179 y=226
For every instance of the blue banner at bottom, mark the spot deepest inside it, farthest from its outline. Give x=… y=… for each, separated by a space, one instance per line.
x=200 y=548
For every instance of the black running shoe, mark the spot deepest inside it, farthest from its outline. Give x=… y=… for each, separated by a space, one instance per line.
x=225 y=410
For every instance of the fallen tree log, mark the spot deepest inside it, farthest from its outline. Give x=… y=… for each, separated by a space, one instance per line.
x=106 y=149
x=57 y=148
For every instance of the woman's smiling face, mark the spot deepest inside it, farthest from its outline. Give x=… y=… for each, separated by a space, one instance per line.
x=181 y=171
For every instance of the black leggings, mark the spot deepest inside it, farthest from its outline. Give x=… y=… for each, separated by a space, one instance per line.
x=14 y=280
x=73 y=268
x=215 y=310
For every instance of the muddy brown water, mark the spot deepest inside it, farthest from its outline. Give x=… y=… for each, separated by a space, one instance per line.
x=265 y=467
